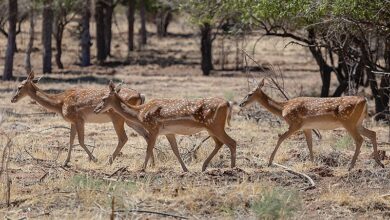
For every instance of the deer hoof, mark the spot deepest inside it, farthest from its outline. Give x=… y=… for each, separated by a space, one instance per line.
x=66 y=163
x=110 y=161
x=381 y=164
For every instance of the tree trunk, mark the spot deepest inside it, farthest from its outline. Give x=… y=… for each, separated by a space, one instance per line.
x=206 y=49
x=85 y=34
x=163 y=18
x=384 y=91
x=130 y=20
x=47 y=26
x=58 y=37
x=30 y=44
x=143 y=33
x=9 y=56
x=109 y=9
x=380 y=108
x=100 y=36
x=325 y=69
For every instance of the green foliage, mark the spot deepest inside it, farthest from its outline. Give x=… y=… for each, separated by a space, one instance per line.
x=65 y=7
x=201 y=11
x=277 y=204
x=374 y=10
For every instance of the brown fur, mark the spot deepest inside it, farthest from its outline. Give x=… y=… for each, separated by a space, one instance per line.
x=76 y=106
x=175 y=116
x=307 y=113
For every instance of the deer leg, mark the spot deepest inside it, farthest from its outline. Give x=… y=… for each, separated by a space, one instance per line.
x=172 y=141
x=372 y=136
x=149 y=150
x=226 y=139
x=219 y=132
x=71 y=142
x=143 y=132
x=309 y=141
x=283 y=137
x=358 y=142
x=80 y=135
x=122 y=137
x=218 y=145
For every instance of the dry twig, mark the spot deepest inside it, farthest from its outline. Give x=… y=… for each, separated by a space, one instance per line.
x=4 y=169
x=153 y=212
x=312 y=184
x=53 y=127
x=120 y=171
x=195 y=148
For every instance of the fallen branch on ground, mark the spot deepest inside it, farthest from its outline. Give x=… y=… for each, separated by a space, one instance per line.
x=54 y=127
x=11 y=113
x=312 y=184
x=120 y=171
x=152 y=212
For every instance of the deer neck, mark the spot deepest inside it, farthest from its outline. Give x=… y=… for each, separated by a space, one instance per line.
x=49 y=101
x=127 y=111
x=271 y=105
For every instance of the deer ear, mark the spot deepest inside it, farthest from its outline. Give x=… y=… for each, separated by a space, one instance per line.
x=37 y=80
x=261 y=84
x=30 y=76
x=118 y=88
x=111 y=86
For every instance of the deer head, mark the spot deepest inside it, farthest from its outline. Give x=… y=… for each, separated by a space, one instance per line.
x=109 y=100
x=24 y=87
x=257 y=93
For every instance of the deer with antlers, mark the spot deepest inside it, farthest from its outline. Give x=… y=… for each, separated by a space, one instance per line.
x=307 y=113
x=170 y=117
x=76 y=106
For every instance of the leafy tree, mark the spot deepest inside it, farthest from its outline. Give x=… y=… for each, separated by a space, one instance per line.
x=345 y=37
x=207 y=15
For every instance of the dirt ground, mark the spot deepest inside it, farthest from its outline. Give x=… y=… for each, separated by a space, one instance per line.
x=169 y=67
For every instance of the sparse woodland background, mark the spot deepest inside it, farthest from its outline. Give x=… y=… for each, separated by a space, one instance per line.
x=347 y=38
x=190 y=49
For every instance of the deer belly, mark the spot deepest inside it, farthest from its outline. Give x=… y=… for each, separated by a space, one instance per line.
x=96 y=118
x=322 y=125
x=180 y=129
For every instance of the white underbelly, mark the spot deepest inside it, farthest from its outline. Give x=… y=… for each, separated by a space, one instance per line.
x=96 y=118
x=180 y=129
x=322 y=125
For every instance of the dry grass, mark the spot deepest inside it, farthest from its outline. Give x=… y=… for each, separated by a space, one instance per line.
x=42 y=188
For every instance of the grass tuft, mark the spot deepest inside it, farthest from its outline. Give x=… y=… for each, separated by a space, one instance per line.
x=85 y=182
x=344 y=142
x=277 y=204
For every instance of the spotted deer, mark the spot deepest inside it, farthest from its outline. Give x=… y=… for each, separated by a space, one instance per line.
x=171 y=117
x=307 y=113
x=76 y=106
